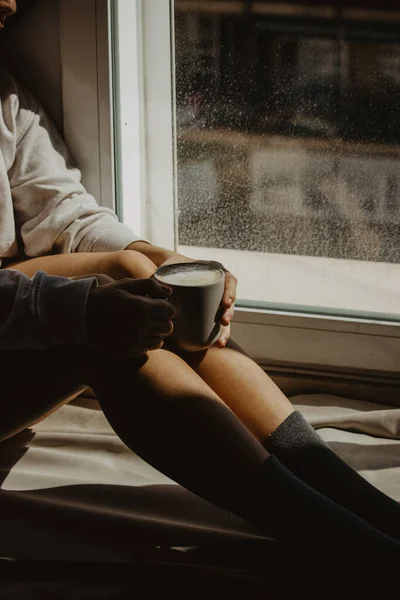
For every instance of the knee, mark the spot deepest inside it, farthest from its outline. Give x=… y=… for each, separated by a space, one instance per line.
x=129 y=263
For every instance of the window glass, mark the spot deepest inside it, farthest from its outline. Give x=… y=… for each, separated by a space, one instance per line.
x=288 y=149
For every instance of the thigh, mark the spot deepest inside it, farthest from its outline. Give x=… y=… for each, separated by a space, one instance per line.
x=248 y=391
x=68 y=265
x=36 y=382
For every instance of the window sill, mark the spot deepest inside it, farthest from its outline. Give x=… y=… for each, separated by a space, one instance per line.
x=339 y=343
x=304 y=283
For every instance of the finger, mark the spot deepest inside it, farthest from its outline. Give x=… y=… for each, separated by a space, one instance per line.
x=144 y=287
x=230 y=290
x=224 y=337
x=160 y=310
x=227 y=316
x=153 y=342
x=159 y=328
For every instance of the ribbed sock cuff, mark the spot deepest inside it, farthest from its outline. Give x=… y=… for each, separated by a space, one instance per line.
x=293 y=433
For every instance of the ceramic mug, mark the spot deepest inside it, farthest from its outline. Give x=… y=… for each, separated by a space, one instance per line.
x=197 y=292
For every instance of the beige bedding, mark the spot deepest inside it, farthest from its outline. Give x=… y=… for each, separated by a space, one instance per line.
x=71 y=489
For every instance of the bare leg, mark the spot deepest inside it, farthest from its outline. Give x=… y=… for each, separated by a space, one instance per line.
x=167 y=414
x=144 y=399
x=243 y=386
x=260 y=405
x=181 y=427
x=117 y=265
x=49 y=379
x=166 y=387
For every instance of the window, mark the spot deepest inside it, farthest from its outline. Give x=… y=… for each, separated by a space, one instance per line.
x=269 y=139
x=288 y=141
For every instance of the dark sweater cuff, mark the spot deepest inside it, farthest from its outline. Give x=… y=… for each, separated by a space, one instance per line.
x=62 y=304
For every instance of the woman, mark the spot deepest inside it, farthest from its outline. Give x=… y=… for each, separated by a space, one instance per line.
x=213 y=421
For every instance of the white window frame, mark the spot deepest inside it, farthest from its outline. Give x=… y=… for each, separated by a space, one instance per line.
x=145 y=104
x=87 y=93
x=147 y=189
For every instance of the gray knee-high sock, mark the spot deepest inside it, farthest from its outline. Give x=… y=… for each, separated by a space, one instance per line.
x=306 y=455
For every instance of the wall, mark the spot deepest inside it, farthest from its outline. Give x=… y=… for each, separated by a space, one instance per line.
x=59 y=50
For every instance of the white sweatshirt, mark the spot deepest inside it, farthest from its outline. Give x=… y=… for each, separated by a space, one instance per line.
x=44 y=209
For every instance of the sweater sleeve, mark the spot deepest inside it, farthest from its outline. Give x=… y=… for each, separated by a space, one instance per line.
x=43 y=311
x=53 y=211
